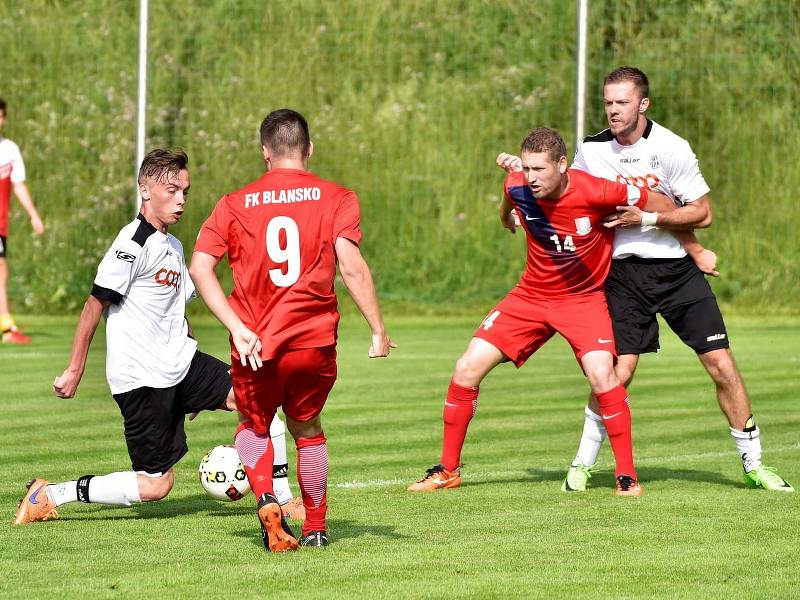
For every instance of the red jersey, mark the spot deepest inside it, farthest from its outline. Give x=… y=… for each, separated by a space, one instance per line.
x=569 y=250
x=279 y=234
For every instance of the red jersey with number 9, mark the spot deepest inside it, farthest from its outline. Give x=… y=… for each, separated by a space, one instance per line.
x=279 y=234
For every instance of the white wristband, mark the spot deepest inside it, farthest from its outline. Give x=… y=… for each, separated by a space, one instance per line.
x=649 y=220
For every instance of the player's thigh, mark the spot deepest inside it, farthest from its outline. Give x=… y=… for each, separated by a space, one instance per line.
x=258 y=393
x=699 y=324
x=153 y=423
x=585 y=323
x=206 y=384
x=632 y=310
x=517 y=327
x=307 y=377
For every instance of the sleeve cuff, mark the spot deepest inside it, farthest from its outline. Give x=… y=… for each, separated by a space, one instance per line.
x=106 y=294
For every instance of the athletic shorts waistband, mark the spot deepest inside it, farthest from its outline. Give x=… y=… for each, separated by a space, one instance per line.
x=638 y=260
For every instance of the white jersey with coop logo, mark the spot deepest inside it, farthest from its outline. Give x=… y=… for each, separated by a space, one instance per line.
x=660 y=161
x=144 y=277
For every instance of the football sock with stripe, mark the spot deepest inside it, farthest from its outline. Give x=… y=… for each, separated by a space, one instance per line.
x=255 y=452
x=616 y=415
x=748 y=443
x=280 y=465
x=312 y=474
x=594 y=432
x=115 y=489
x=459 y=408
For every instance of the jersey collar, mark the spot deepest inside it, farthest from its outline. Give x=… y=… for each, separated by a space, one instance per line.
x=149 y=227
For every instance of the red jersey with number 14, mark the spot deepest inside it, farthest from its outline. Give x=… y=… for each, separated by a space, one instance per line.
x=569 y=250
x=279 y=234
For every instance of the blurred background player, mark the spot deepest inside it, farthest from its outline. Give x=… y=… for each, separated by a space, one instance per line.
x=569 y=255
x=154 y=370
x=284 y=234
x=12 y=173
x=651 y=273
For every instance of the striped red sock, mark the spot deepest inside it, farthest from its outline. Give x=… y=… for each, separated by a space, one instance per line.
x=312 y=475
x=255 y=452
x=616 y=416
x=459 y=408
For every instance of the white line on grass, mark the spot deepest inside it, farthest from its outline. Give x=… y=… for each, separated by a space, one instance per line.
x=515 y=472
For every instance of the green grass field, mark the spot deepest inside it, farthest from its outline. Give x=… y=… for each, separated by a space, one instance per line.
x=507 y=532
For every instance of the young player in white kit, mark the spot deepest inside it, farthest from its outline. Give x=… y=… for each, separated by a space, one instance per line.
x=154 y=370
x=651 y=273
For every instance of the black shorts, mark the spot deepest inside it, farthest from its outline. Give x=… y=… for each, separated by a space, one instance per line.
x=2 y=246
x=154 y=417
x=637 y=289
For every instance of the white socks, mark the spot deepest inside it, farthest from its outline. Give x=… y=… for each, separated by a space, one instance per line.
x=116 y=489
x=748 y=443
x=594 y=432
x=280 y=468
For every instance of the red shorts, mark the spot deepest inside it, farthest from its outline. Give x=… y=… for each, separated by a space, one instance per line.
x=297 y=380
x=521 y=324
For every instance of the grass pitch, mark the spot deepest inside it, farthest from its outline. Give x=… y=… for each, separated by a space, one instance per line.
x=507 y=532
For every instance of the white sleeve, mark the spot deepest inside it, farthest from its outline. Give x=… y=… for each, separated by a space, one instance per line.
x=686 y=182
x=17 y=165
x=117 y=270
x=579 y=162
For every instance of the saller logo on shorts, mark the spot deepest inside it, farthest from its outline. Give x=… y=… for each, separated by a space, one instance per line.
x=715 y=337
x=125 y=256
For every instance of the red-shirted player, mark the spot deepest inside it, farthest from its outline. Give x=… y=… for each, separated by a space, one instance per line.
x=284 y=234
x=569 y=256
x=12 y=174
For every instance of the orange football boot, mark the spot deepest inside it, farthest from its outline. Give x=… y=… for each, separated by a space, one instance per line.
x=36 y=505
x=628 y=486
x=436 y=478
x=13 y=336
x=275 y=532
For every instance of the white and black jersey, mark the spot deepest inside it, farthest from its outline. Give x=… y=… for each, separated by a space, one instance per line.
x=143 y=275
x=660 y=161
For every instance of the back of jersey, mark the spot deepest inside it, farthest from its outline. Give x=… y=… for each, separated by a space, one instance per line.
x=279 y=233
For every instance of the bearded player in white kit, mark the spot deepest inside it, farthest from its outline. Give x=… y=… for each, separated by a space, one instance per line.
x=155 y=372
x=651 y=273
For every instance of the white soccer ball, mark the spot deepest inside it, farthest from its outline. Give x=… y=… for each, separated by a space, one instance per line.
x=222 y=474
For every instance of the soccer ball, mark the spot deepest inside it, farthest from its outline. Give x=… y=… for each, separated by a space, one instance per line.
x=222 y=474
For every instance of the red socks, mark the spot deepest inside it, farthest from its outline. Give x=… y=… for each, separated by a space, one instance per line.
x=312 y=474
x=617 y=418
x=256 y=453
x=459 y=408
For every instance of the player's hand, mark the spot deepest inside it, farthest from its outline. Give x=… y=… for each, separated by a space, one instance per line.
x=38 y=226
x=66 y=384
x=381 y=345
x=706 y=261
x=509 y=162
x=248 y=346
x=626 y=216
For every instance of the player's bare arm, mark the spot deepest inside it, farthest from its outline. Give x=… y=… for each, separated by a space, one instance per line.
x=508 y=216
x=705 y=259
x=24 y=197
x=205 y=281
x=627 y=216
x=66 y=384
x=692 y=215
x=358 y=279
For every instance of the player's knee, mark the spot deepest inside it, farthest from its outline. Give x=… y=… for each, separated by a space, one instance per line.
x=602 y=376
x=304 y=429
x=467 y=371
x=720 y=366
